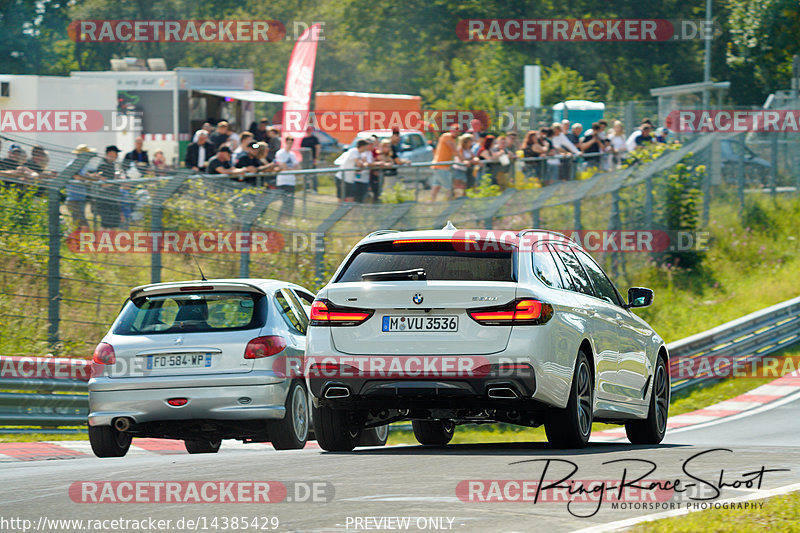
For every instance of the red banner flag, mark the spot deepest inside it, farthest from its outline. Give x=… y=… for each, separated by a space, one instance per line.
x=299 y=78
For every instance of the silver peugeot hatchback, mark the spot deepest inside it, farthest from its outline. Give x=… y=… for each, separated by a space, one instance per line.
x=200 y=361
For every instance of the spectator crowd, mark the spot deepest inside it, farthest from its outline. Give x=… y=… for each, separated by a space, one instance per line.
x=462 y=160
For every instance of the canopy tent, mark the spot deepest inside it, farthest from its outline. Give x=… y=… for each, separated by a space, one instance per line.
x=244 y=95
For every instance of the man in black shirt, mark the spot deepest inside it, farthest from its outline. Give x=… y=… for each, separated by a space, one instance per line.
x=310 y=141
x=247 y=161
x=221 y=163
x=273 y=142
x=16 y=158
x=137 y=157
x=107 y=204
x=395 y=139
x=38 y=161
x=644 y=137
x=221 y=135
x=592 y=144
x=199 y=153
x=260 y=130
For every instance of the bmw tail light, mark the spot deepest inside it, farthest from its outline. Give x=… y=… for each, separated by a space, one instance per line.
x=324 y=313
x=264 y=347
x=521 y=312
x=104 y=354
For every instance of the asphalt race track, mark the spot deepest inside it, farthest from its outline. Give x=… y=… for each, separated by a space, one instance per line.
x=378 y=488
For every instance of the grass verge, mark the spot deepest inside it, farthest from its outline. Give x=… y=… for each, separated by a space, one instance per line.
x=779 y=514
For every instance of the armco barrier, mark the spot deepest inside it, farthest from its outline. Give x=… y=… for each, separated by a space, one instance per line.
x=41 y=385
x=747 y=338
x=47 y=392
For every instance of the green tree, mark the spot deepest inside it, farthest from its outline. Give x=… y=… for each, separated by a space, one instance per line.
x=763 y=38
x=33 y=37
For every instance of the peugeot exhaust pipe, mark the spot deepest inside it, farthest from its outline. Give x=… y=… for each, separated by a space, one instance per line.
x=122 y=424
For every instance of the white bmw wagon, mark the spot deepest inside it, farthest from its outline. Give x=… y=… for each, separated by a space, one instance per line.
x=452 y=327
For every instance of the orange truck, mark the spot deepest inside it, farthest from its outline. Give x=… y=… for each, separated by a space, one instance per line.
x=343 y=114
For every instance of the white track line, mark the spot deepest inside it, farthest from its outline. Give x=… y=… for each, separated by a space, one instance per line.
x=702 y=425
x=743 y=414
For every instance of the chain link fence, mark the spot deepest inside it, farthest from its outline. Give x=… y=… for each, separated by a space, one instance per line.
x=61 y=286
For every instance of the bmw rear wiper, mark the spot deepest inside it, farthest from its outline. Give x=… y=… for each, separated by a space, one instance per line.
x=395 y=275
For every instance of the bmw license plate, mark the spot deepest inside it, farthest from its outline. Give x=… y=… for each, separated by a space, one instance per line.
x=420 y=323
x=179 y=360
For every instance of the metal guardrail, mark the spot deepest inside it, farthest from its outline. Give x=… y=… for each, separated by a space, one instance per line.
x=743 y=340
x=52 y=392
x=43 y=392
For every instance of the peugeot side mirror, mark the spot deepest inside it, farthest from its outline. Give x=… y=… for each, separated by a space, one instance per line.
x=639 y=297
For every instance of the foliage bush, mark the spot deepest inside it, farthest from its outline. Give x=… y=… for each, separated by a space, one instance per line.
x=397 y=194
x=484 y=189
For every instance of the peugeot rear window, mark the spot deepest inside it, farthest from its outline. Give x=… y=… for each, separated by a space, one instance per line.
x=192 y=313
x=441 y=261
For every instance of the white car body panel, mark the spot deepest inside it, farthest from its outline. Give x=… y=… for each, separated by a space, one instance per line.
x=623 y=347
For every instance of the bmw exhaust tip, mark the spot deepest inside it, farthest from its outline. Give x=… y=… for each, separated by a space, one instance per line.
x=502 y=393
x=337 y=392
x=122 y=424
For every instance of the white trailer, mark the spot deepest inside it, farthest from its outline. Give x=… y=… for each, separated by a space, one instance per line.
x=26 y=103
x=173 y=104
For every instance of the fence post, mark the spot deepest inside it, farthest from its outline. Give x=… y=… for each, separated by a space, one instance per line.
x=416 y=184
x=54 y=244
x=741 y=182
x=773 y=174
x=308 y=160
x=707 y=187
x=157 y=227
x=495 y=206
x=157 y=223
x=535 y=220
x=576 y=213
x=630 y=116
x=322 y=229
x=614 y=223
x=54 y=262
x=262 y=202
x=795 y=166
x=648 y=202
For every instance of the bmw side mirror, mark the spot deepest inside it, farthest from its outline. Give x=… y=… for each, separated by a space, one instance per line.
x=639 y=297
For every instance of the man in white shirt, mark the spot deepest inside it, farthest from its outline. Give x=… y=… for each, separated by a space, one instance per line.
x=630 y=143
x=564 y=146
x=560 y=140
x=349 y=162
x=366 y=175
x=285 y=182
